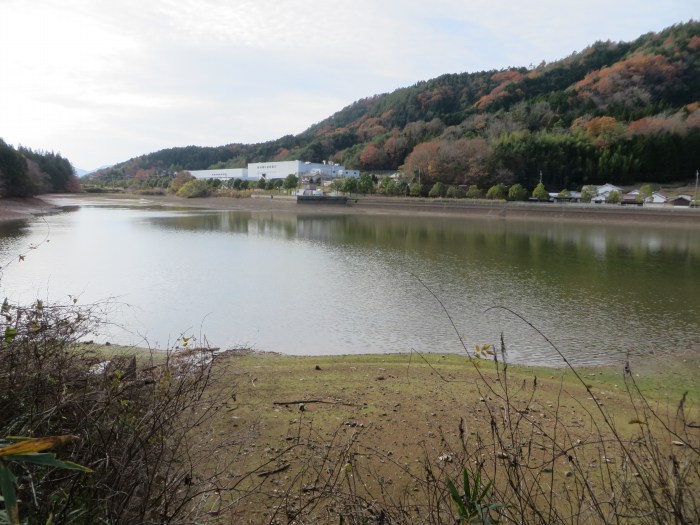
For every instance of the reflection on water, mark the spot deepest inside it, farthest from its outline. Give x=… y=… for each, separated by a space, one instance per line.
x=305 y=284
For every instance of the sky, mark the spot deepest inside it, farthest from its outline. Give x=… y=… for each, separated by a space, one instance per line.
x=103 y=81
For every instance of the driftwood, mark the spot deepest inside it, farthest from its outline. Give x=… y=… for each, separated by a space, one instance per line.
x=273 y=471
x=309 y=401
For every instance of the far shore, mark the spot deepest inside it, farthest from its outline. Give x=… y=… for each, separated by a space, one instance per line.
x=12 y=209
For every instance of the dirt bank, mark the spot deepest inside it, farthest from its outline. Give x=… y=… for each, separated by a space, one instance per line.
x=13 y=208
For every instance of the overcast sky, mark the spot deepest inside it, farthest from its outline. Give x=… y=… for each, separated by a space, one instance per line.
x=103 y=81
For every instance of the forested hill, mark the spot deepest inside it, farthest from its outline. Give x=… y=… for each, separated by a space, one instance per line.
x=614 y=112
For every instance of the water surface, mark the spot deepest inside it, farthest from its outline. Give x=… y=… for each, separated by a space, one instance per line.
x=337 y=284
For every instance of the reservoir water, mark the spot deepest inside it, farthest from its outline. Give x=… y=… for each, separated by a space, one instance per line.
x=341 y=284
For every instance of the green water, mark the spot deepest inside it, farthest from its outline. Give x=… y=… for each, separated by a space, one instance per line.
x=341 y=284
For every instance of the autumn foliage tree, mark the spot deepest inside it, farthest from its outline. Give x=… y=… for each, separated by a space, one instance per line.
x=373 y=158
x=181 y=178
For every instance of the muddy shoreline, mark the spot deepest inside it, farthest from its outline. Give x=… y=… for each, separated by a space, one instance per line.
x=13 y=209
x=539 y=212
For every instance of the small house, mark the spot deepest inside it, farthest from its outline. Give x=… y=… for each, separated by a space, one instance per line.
x=607 y=189
x=632 y=198
x=654 y=198
x=682 y=200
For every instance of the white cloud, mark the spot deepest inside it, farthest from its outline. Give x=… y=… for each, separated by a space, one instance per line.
x=103 y=81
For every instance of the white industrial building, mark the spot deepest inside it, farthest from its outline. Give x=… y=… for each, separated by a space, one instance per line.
x=279 y=170
x=223 y=174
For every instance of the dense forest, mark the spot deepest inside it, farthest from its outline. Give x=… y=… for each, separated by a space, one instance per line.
x=615 y=112
x=24 y=172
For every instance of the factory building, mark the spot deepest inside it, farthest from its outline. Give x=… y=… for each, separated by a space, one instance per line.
x=223 y=174
x=279 y=170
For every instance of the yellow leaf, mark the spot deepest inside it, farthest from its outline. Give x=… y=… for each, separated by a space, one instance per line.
x=35 y=445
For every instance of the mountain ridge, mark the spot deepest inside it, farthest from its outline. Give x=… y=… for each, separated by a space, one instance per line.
x=615 y=111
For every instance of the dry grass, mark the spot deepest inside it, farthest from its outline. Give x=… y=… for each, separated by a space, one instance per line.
x=378 y=436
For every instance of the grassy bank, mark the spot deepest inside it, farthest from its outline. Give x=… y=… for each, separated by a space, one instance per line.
x=355 y=436
x=193 y=435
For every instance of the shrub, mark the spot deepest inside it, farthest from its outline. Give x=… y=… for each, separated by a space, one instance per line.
x=438 y=190
x=455 y=192
x=415 y=190
x=588 y=193
x=518 y=193
x=540 y=193
x=614 y=198
x=474 y=192
x=497 y=192
x=194 y=188
x=141 y=423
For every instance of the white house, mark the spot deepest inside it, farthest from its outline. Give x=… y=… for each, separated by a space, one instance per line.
x=604 y=191
x=655 y=198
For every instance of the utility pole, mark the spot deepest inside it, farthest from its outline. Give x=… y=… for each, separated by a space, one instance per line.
x=695 y=201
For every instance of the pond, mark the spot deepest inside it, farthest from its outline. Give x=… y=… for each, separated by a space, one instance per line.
x=309 y=284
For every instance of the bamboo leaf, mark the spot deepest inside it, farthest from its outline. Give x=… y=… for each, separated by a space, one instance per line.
x=47 y=459
x=7 y=489
x=35 y=445
x=461 y=508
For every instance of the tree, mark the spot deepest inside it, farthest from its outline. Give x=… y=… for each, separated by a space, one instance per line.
x=497 y=192
x=337 y=185
x=401 y=188
x=15 y=179
x=350 y=185
x=365 y=184
x=181 y=178
x=422 y=160
x=588 y=193
x=56 y=172
x=388 y=186
x=194 y=188
x=262 y=183
x=540 y=193
x=518 y=193
x=455 y=192
x=614 y=198
x=416 y=190
x=373 y=158
x=645 y=192
x=438 y=190
x=474 y=192
x=291 y=182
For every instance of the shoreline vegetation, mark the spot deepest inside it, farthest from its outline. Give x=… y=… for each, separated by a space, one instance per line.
x=11 y=209
x=356 y=439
